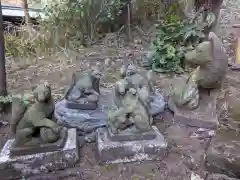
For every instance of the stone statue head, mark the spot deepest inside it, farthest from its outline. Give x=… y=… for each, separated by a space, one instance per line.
x=202 y=53
x=42 y=92
x=96 y=74
x=131 y=70
x=121 y=86
x=128 y=70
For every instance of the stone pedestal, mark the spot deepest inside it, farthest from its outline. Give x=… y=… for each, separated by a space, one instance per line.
x=85 y=120
x=110 y=152
x=205 y=116
x=14 y=167
x=223 y=154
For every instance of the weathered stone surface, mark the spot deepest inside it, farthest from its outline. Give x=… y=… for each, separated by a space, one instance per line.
x=228 y=16
x=17 y=166
x=88 y=120
x=223 y=154
x=231 y=4
x=88 y=106
x=219 y=177
x=205 y=116
x=110 y=152
x=158 y=104
x=129 y=136
x=41 y=148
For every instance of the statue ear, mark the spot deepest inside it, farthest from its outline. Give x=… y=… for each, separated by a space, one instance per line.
x=123 y=71
x=46 y=84
x=34 y=87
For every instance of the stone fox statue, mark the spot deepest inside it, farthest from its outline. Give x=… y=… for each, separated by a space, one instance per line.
x=213 y=62
x=143 y=85
x=33 y=123
x=84 y=86
x=134 y=79
x=131 y=112
x=185 y=94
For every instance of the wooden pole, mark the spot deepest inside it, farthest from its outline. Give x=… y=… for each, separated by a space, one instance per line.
x=3 y=81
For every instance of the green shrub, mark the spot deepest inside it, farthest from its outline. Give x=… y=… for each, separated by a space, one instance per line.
x=175 y=37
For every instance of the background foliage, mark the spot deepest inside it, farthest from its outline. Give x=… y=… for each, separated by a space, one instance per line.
x=175 y=37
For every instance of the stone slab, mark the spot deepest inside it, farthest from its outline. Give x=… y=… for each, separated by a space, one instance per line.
x=88 y=106
x=205 y=116
x=28 y=165
x=89 y=120
x=110 y=152
x=128 y=136
x=223 y=154
x=86 y=120
x=41 y=148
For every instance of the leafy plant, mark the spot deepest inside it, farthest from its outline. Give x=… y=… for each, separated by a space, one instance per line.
x=175 y=37
x=26 y=98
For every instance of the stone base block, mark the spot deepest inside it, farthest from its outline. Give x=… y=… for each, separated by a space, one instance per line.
x=205 y=116
x=40 y=148
x=110 y=152
x=14 y=167
x=85 y=120
x=129 y=136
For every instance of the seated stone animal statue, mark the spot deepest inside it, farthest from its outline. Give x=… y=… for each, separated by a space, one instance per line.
x=185 y=95
x=32 y=125
x=143 y=85
x=131 y=114
x=84 y=89
x=213 y=62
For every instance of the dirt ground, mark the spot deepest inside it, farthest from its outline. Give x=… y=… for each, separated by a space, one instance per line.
x=186 y=152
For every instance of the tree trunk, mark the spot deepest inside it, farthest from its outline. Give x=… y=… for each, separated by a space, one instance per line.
x=26 y=13
x=3 y=82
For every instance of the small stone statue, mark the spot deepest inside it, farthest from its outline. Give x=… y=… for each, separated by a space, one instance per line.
x=131 y=114
x=84 y=90
x=185 y=94
x=134 y=80
x=33 y=126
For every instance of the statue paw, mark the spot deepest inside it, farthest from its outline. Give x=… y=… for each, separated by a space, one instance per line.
x=56 y=130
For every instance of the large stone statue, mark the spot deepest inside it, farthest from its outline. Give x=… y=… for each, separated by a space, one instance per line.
x=32 y=125
x=83 y=92
x=213 y=62
x=39 y=144
x=196 y=94
x=131 y=112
